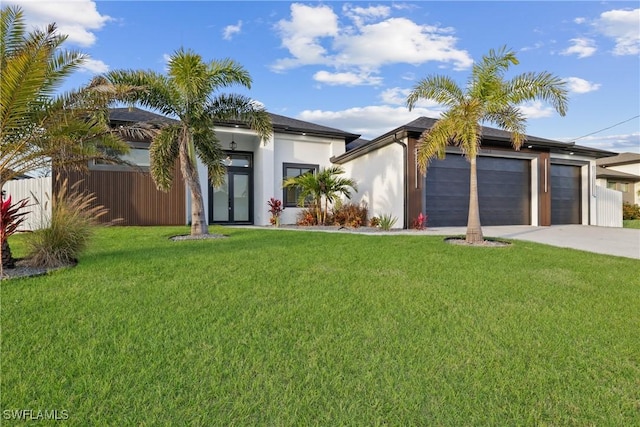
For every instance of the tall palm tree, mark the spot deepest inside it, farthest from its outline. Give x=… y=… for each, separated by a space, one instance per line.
x=188 y=93
x=324 y=184
x=487 y=98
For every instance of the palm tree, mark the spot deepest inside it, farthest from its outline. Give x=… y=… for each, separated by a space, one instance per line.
x=324 y=184
x=40 y=128
x=488 y=98
x=332 y=186
x=187 y=92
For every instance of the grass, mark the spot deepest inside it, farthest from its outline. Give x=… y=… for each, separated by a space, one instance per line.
x=275 y=327
x=631 y=223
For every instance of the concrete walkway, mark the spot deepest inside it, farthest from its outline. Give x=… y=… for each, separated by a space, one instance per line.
x=624 y=242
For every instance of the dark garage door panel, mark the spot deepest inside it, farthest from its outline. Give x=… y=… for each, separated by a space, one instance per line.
x=565 y=194
x=504 y=188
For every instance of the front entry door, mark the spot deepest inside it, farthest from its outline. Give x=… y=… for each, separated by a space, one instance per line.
x=232 y=202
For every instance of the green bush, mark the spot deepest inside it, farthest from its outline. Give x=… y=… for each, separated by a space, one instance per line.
x=630 y=211
x=73 y=217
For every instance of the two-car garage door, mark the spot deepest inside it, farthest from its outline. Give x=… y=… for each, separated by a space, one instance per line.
x=504 y=191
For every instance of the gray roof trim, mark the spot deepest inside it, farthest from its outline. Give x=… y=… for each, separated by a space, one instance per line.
x=503 y=138
x=136 y=115
x=620 y=159
x=602 y=172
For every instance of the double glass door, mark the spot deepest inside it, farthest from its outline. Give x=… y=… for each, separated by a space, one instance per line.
x=232 y=202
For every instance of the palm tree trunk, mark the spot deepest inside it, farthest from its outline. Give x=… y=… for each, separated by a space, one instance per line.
x=7 y=258
x=474 y=229
x=199 y=224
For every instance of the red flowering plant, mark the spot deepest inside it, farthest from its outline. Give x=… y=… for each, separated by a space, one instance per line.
x=275 y=209
x=420 y=223
x=10 y=220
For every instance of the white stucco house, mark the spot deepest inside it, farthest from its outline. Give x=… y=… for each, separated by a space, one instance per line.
x=546 y=182
x=622 y=173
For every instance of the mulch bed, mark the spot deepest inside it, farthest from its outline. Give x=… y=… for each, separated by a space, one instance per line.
x=22 y=269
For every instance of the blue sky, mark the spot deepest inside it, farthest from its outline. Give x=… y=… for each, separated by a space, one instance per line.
x=350 y=65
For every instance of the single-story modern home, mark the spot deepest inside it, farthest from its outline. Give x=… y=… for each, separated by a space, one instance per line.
x=546 y=182
x=621 y=173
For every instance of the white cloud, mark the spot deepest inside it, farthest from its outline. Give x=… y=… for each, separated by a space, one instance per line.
x=370 y=121
x=583 y=47
x=626 y=143
x=578 y=85
x=78 y=19
x=623 y=27
x=536 y=110
x=94 y=66
x=314 y=36
x=230 y=30
x=346 y=79
x=398 y=96
x=580 y=20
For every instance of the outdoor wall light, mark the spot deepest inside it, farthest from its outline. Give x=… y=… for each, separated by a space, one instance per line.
x=233 y=144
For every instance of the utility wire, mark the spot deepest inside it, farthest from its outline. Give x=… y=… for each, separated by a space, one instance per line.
x=607 y=128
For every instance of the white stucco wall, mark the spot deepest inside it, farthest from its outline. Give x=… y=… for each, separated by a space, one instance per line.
x=633 y=169
x=380 y=179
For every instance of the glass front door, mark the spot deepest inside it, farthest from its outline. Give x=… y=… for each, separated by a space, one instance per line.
x=232 y=202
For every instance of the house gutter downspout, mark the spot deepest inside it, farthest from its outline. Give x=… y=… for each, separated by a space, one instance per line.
x=405 y=179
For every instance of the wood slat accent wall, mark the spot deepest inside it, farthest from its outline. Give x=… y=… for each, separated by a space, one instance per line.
x=132 y=196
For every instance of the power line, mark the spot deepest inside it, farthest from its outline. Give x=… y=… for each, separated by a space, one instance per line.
x=607 y=128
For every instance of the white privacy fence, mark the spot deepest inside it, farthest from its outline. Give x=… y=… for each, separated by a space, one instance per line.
x=38 y=191
x=608 y=207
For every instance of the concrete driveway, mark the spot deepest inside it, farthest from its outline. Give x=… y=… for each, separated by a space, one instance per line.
x=624 y=242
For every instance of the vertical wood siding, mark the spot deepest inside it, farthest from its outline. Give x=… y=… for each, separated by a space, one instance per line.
x=132 y=197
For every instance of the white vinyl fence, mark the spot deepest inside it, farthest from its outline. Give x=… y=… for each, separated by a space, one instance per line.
x=608 y=207
x=38 y=191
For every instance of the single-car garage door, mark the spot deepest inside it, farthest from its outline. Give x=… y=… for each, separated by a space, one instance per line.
x=565 y=194
x=504 y=191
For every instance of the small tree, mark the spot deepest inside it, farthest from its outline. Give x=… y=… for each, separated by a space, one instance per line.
x=326 y=184
x=488 y=98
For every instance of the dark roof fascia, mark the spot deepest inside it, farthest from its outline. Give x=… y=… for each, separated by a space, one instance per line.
x=283 y=124
x=536 y=142
x=387 y=139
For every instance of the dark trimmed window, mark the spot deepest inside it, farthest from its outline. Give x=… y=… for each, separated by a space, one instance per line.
x=289 y=170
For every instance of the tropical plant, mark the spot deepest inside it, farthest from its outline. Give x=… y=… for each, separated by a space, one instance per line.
x=350 y=214
x=39 y=127
x=188 y=93
x=630 y=211
x=488 y=98
x=325 y=184
x=73 y=217
x=374 y=222
x=275 y=209
x=387 y=221
x=420 y=223
x=10 y=220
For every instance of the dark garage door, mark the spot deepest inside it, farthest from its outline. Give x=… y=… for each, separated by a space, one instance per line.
x=504 y=187
x=565 y=194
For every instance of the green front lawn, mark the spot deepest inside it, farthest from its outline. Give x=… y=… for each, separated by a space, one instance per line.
x=631 y=223
x=274 y=327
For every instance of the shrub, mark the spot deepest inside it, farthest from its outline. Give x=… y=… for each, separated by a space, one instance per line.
x=73 y=216
x=307 y=217
x=387 y=221
x=374 y=222
x=350 y=214
x=420 y=223
x=275 y=209
x=630 y=211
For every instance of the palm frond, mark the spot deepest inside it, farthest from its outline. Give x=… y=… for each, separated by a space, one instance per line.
x=544 y=86
x=163 y=154
x=227 y=72
x=238 y=108
x=441 y=89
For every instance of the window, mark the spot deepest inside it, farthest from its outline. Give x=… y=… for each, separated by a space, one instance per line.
x=624 y=187
x=289 y=170
x=138 y=155
x=612 y=185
